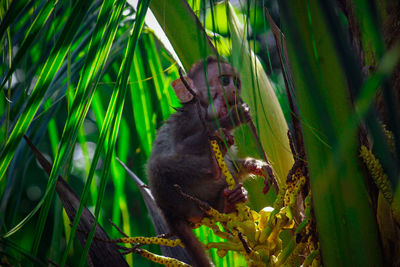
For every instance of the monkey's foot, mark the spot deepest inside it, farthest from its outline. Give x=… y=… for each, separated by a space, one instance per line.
x=234 y=196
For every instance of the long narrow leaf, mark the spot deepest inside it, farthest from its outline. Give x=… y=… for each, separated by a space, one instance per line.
x=93 y=65
x=258 y=93
x=120 y=92
x=31 y=34
x=141 y=105
x=103 y=252
x=12 y=13
x=346 y=226
x=49 y=70
x=70 y=33
x=157 y=74
x=189 y=34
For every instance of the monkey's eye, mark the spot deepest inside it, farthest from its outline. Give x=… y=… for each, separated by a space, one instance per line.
x=236 y=82
x=224 y=80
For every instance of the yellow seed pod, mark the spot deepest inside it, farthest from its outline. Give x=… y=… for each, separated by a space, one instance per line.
x=377 y=173
x=222 y=164
x=286 y=196
x=217 y=216
x=151 y=240
x=296 y=190
x=243 y=210
x=161 y=259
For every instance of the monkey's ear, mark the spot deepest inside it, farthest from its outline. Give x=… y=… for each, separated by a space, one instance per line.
x=181 y=91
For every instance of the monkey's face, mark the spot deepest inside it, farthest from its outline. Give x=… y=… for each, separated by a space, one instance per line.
x=222 y=91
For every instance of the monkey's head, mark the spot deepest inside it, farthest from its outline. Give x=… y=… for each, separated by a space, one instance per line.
x=215 y=82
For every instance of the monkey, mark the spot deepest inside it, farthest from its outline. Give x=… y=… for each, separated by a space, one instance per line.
x=182 y=154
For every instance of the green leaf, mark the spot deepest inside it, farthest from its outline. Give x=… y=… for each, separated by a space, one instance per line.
x=184 y=30
x=53 y=63
x=346 y=225
x=16 y=7
x=157 y=74
x=257 y=91
x=141 y=105
x=32 y=33
x=102 y=39
x=114 y=113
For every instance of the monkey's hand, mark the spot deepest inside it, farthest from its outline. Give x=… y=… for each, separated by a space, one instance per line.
x=225 y=139
x=237 y=115
x=243 y=112
x=234 y=196
x=256 y=167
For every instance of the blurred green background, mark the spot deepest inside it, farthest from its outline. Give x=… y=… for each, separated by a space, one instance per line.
x=62 y=69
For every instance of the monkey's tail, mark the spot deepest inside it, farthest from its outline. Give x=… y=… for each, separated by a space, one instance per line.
x=192 y=244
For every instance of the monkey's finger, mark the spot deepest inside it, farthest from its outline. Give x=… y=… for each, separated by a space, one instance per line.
x=238 y=194
x=241 y=198
x=228 y=192
x=237 y=197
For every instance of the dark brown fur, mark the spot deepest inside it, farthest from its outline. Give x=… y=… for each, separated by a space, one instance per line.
x=182 y=155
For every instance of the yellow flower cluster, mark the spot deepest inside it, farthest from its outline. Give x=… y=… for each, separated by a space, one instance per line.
x=381 y=180
x=256 y=234
x=378 y=175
